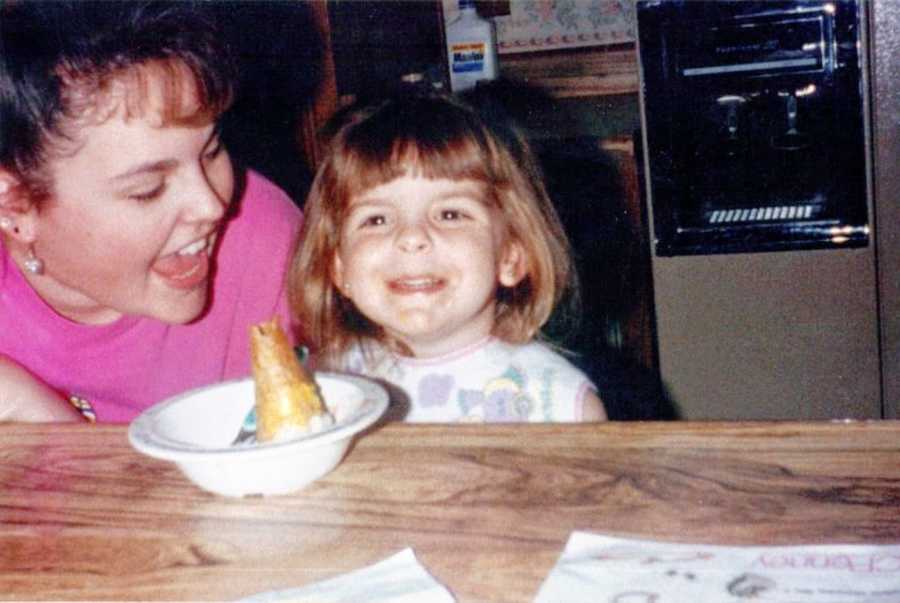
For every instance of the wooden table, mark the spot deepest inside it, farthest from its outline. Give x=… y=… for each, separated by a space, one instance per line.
x=487 y=509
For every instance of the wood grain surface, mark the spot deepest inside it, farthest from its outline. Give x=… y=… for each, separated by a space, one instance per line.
x=487 y=509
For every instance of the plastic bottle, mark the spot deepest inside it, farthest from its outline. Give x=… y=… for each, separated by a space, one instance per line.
x=471 y=48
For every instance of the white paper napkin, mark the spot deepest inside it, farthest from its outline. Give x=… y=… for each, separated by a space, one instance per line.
x=397 y=579
x=596 y=568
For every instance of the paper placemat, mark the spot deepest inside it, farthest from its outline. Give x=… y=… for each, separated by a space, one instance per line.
x=397 y=579
x=596 y=568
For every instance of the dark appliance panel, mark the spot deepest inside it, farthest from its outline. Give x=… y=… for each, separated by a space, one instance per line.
x=754 y=123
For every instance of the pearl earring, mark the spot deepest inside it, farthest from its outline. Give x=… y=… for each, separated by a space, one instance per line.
x=33 y=263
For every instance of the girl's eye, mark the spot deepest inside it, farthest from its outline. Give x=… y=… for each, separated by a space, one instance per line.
x=451 y=215
x=149 y=195
x=374 y=221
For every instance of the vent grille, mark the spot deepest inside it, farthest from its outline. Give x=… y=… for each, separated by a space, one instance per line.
x=762 y=214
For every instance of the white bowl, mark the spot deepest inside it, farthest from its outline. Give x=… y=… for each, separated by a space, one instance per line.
x=196 y=429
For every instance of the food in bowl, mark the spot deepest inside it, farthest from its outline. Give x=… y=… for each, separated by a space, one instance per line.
x=195 y=430
x=288 y=403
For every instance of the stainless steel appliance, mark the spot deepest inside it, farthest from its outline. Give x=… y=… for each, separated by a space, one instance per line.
x=758 y=169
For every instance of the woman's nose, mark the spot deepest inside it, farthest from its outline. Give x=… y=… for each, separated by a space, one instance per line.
x=414 y=237
x=204 y=202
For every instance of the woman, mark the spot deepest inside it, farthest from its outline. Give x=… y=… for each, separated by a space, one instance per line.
x=132 y=260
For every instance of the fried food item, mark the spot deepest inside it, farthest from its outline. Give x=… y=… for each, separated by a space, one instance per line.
x=287 y=397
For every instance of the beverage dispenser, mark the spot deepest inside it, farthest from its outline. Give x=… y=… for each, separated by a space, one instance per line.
x=754 y=125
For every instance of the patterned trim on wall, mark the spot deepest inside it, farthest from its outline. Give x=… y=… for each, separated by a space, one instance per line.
x=540 y=25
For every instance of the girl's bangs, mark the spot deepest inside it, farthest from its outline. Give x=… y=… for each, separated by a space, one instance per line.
x=366 y=166
x=458 y=158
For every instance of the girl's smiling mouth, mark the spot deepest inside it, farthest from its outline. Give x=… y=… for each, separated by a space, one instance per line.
x=416 y=284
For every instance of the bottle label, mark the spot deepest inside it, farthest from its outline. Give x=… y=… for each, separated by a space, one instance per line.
x=467 y=57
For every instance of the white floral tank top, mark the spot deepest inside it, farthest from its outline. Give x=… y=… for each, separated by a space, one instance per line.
x=490 y=381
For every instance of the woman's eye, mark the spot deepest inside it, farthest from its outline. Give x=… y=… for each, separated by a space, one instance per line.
x=150 y=194
x=213 y=151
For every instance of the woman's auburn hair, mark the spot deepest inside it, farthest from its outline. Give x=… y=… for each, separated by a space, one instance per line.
x=61 y=59
x=435 y=136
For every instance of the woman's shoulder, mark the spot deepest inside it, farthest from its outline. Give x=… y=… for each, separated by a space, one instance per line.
x=264 y=198
x=264 y=222
x=255 y=250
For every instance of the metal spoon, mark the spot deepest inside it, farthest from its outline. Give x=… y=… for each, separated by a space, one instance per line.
x=247 y=433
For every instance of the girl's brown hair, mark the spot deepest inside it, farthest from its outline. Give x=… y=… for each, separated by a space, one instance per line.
x=437 y=137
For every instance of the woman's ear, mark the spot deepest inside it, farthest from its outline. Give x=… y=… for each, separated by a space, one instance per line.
x=513 y=266
x=17 y=213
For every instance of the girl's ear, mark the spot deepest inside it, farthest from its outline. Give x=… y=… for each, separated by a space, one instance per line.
x=17 y=213
x=337 y=275
x=513 y=266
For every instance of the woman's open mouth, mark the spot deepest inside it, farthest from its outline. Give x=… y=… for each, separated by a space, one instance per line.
x=186 y=268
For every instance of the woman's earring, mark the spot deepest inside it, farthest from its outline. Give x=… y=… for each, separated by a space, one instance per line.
x=33 y=263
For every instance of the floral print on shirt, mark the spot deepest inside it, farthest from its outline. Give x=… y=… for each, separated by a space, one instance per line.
x=492 y=382
x=503 y=400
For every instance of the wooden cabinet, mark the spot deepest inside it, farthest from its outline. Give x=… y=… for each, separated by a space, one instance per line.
x=368 y=48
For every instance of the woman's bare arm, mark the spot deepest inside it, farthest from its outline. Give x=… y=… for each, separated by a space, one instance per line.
x=25 y=398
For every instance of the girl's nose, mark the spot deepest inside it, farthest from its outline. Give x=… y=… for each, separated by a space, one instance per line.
x=414 y=237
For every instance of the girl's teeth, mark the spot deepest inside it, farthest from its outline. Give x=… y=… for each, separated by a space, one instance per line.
x=192 y=248
x=418 y=282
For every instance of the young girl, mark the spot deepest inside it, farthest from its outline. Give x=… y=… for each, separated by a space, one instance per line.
x=431 y=257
